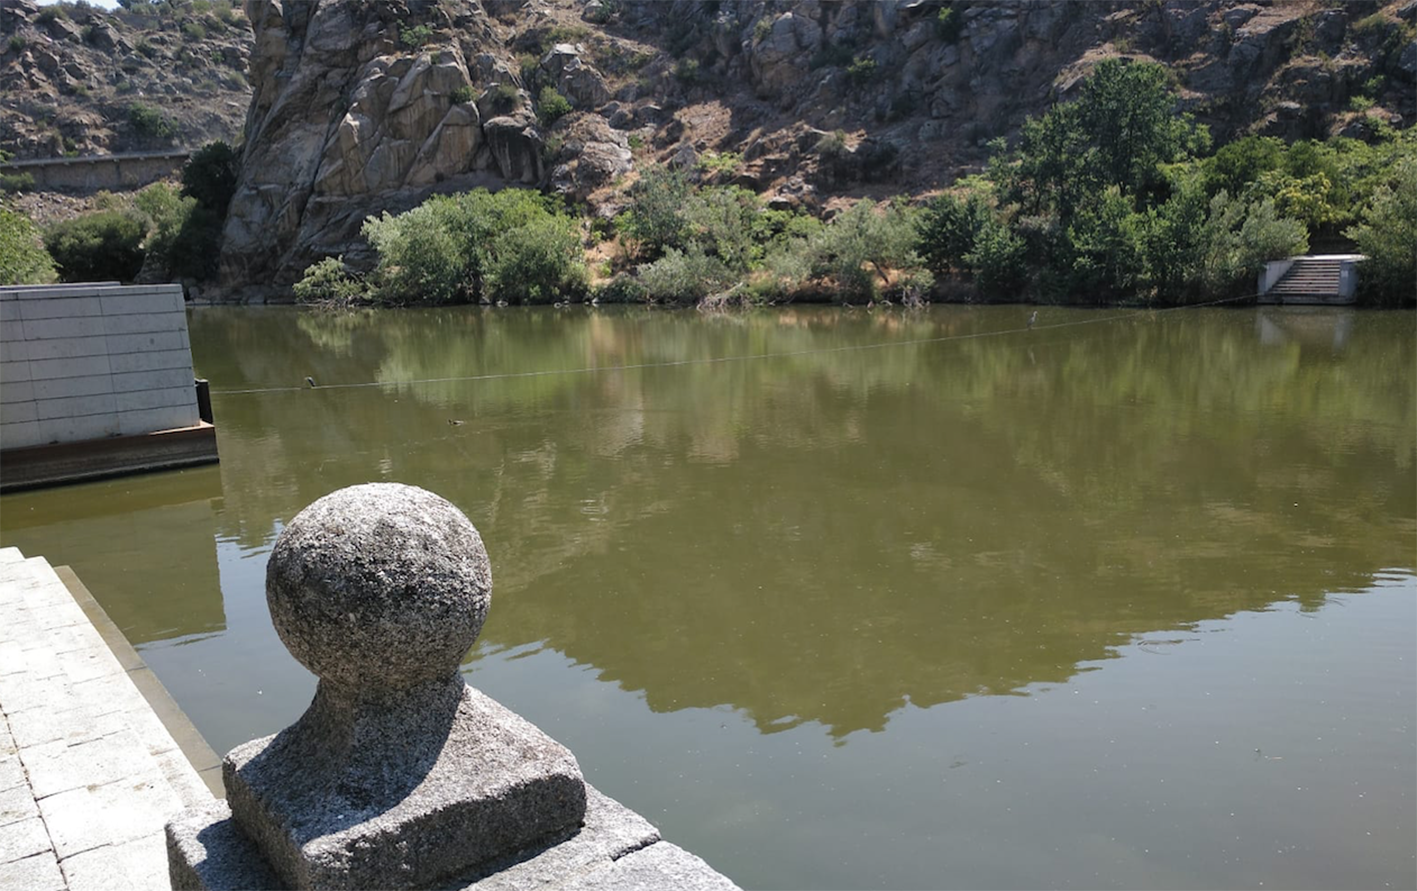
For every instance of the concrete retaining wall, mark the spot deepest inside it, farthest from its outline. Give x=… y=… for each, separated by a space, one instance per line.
x=90 y=173
x=84 y=362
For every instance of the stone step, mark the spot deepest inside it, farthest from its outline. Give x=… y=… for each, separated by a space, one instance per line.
x=103 y=772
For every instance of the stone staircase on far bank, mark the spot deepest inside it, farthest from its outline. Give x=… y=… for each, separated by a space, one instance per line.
x=1313 y=280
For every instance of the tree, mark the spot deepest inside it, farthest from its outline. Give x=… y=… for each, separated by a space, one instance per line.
x=948 y=228
x=654 y=219
x=210 y=176
x=1388 y=236
x=23 y=258
x=1119 y=132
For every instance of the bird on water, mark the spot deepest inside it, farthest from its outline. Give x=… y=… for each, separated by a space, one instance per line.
x=1032 y=318
x=310 y=381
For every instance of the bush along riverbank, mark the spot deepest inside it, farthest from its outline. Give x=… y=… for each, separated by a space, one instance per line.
x=1110 y=198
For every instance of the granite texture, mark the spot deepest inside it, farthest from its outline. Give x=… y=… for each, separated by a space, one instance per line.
x=398 y=774
x=380 y=585
x=354 y=796
x=209 y=852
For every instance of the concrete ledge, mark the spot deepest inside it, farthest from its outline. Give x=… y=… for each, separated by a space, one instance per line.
x=52 y=465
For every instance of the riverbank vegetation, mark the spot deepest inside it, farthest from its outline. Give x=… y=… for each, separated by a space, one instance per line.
x=1109 y=198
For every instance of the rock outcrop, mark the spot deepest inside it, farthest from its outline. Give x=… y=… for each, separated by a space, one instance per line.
x=71 y=78
x=362 y=108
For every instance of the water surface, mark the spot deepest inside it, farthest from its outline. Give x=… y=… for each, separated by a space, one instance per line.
x=843 y=599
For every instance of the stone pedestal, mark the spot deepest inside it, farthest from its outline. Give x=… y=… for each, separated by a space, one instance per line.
x=356 y=795
x=399 y=775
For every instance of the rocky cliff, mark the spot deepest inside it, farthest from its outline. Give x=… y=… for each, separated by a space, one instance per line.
x=80 y=81
x=361 y=108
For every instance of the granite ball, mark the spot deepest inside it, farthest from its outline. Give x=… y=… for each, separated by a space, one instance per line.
x=379 y=586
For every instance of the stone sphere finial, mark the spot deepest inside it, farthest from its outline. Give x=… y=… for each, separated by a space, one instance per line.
x=379 y=586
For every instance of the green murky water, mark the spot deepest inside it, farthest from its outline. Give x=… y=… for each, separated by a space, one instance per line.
x=856 y=600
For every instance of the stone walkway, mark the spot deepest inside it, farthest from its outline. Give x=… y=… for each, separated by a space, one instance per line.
x=88 y=772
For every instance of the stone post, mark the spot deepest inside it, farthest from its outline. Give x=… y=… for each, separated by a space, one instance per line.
x=399 y=775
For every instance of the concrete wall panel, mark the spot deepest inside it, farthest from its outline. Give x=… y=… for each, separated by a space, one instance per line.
x=67 y=347
x=88 y=361
x=23 y=431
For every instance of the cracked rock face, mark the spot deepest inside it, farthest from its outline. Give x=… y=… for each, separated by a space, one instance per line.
x=379 y=586
x=350 y=117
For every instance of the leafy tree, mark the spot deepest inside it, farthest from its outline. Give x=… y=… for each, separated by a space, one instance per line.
x=999 y=260
x=1107 y=248
x=210 y=176
x=1118 y=133
x=654 y=219
x=721 y=220
x=1388 y=236
x=863 y=243
x=99 y=246
x=684 y=276
x=948 y=227
x=23 y=258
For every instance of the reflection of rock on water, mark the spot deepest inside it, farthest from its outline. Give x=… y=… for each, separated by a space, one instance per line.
x=1319 y=326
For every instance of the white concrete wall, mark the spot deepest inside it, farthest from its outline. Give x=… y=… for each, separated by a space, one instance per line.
x=91 y=361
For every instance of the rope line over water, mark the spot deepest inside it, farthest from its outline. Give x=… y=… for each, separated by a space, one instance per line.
x=714 y=360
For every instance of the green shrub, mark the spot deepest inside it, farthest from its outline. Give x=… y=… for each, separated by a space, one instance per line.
x=654 y=219
x=509 y=245
x=413 y=37
x=687 y=70
x=832 y=145
x=149 y=122
x=17 y=43
x=538 y=262
x=761 y=29
x=461 y=94
x=621 y=289
x=551 y=106
x=862 y=244
x=684 y=277
x=50 y=13
x=861 y=70
x=193 y=31
x=16 y=182
x=327 y=283
x=23 y=258
x=103 y=246
x=1387 y=234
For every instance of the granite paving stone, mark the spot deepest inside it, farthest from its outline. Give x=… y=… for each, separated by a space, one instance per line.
x=137 y=865
x=57 y=767
x=37 y=726
x=17 y=804
x=37 y=873
x=23 y=838
x=12 y=773
x=92 y=816
x=88 y=772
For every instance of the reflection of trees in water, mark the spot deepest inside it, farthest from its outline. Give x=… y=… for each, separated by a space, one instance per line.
x=823 y=535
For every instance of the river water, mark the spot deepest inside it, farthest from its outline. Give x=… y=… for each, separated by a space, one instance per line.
x=851 y=599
